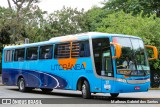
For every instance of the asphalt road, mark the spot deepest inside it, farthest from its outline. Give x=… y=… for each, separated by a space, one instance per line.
x=74 y=97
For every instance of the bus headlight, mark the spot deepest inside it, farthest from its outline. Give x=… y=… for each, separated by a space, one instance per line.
x=121 y=80
x=148 y=80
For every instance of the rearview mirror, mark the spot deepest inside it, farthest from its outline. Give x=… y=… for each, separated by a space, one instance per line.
x=118 y=50
x=155 y=52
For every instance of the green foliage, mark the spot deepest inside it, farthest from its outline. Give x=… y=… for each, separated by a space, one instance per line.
x=94 y=17
x=135 y=6
x=66 y=21
x=34 y=29
x=4 y=25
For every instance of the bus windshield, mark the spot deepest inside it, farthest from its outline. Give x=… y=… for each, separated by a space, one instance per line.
x=133 y=60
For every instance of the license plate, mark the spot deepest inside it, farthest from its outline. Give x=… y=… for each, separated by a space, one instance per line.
x=136 y=88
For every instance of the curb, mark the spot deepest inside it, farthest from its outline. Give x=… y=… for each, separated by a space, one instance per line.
x=154 y=89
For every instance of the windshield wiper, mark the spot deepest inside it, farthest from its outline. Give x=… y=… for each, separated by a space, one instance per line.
x=141 y=63
x=133 y=57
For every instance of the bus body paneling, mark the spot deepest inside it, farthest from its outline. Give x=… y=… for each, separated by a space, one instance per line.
x=66 y=73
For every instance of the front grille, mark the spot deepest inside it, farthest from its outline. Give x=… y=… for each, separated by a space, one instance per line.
x=136 y=81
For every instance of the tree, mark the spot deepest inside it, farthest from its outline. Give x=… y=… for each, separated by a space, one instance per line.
x=20 y=16
x=94 y=17
x=4 y=25
x=134 y=6
x=66 y=21
x=35 y=25
x=16 y=23
x=4 y=29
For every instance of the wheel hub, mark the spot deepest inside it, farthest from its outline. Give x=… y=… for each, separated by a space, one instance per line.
x=84 y=89
x=21 y=85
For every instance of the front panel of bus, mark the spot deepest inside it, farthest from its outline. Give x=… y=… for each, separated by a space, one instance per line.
x=132 y=71
x=129 y=73
x=132 y=68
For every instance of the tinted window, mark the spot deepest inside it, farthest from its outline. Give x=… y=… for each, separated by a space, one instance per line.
x=102 y=56
x=46 y=52
x=62 y=50
x=80 y=49
x=32 y=53
x=8 y=55
x=19 y=55
x=75 y=49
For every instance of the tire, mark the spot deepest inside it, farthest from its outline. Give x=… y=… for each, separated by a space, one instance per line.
x=22 y=85
x=86 y=94
x=114 y=95
x=46 y=90
x=156 y=80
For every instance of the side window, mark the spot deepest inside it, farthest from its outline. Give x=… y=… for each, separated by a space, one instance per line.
x=84 y=49
x=32 y=53
x=19 y=55
x=62 y=50
x=80 y=49
x=75 y=49
x=46 y=52
x=8 y=55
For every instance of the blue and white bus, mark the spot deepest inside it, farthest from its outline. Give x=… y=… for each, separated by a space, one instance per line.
x=90 y=62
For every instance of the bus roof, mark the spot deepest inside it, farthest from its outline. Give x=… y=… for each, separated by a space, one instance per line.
x=73 y=37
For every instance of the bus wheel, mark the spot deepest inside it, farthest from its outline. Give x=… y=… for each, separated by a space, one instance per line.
x=114 y=95
x=86 y=90
x=46 y=90
x=21 y=85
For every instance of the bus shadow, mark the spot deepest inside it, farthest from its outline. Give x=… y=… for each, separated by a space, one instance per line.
x=96 y=98
x=50 y=93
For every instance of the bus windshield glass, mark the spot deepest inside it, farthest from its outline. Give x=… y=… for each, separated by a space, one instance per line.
x=133 y=60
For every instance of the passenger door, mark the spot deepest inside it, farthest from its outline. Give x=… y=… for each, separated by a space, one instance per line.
x=102 y=60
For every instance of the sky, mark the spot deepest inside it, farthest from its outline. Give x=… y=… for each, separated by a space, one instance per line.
x=52 y=5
